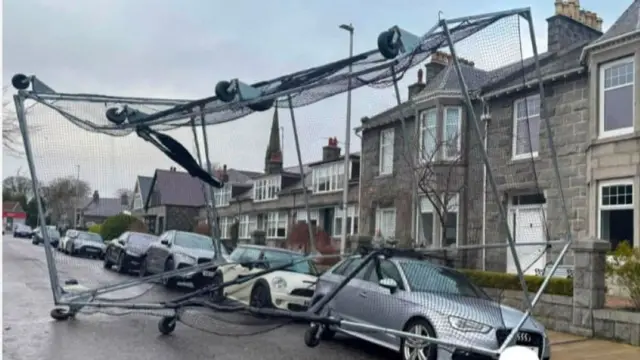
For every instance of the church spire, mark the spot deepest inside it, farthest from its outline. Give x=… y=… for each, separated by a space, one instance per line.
x=273 y=157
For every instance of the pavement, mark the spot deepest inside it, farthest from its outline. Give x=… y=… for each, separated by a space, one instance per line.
x=30 y=334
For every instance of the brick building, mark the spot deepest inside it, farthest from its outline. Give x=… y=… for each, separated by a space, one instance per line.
x=589 y=80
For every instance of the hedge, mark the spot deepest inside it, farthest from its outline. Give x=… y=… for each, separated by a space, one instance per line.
x=502 y=281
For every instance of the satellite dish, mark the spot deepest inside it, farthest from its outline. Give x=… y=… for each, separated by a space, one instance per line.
x=518 y=353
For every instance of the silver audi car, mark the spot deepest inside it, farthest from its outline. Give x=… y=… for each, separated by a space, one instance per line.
x=420 y=297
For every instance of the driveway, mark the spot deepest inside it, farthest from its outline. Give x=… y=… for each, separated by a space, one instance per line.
x=30 y=334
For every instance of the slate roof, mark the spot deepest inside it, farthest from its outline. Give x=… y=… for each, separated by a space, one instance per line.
x=144 y=183
x=627 y=23
x=177 y=188
x=105 y=207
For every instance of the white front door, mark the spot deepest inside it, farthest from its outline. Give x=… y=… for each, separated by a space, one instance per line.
x=527 y=226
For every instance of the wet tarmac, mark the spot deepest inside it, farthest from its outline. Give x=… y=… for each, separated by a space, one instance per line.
x=30 y=334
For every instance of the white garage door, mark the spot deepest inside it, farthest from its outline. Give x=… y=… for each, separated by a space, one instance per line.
x=527 y=226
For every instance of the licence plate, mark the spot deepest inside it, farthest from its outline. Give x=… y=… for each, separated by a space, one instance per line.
x=208 y=273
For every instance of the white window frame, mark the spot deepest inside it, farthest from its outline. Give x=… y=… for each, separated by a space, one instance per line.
x=386 y=233
x=222 y=196
x=301 y=215
x=352 y=213
x=424 y=156
x=137 y=201
x=248 y=224
x=267 y=188
x=384 y=147
x=444 y=133
x=426 y=207
x=277 y=220
x=600 y=208
x=601 y=90
x=331 y=174
x=224 y=222
x=514 y=146
x=453 y=205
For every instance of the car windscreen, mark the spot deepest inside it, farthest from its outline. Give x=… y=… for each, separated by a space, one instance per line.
x=196 y=241
x=141 y=239
x=279 y=258
x=53 y=233
x=425 y=277
x=93 y=237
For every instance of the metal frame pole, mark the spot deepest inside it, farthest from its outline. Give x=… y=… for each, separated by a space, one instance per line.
x=209 y=195
x=485 y=158
x=347 y=150
x=312 y=242
x=48 y=252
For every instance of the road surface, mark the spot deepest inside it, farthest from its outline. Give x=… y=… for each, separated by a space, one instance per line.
x=30 y=334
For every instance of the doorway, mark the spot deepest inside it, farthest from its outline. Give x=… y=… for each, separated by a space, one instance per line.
x=527 y=222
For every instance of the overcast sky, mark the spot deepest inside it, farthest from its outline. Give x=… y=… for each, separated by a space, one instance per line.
x=181 y=49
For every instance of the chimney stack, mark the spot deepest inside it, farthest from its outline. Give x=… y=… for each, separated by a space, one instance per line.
x=172 y=168
x=331 y=151
x=225 y=174
x=418 y=86
x=585 y=25
x=124 y=199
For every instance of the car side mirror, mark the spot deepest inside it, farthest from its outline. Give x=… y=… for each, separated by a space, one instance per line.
x=389 y=284
x=164 y=242
x=120 y=241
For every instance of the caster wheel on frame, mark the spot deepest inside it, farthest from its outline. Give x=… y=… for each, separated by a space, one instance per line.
x=261 y=106
x=20 y=81
x=223 y=93
x=60 y=314
x=167 y=325
x=311 y=338
x=116 y=115
x=386 y=46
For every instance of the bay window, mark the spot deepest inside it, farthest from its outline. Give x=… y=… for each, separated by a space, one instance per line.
x=327 y=178
x=616 y=211
x=248 y=224
x=352 y=221
x=277 y=224
x=266 y=188
x=428 y=134
x=386 y=223
x=452 y=124
x=386 y=151
x=222 y=196
x=301 y=215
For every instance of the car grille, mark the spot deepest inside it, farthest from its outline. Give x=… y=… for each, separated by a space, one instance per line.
x=525 y=338
x=302 y=292
x=91 y=249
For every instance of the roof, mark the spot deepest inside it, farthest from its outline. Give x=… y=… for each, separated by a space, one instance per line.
x=144 y=183
x=105 y=207
x=627 y=23
x=13 y=206
x=177 y=188
x=241 y=177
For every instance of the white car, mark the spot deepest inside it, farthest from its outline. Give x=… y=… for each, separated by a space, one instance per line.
x=64 y=242
x=289 y=289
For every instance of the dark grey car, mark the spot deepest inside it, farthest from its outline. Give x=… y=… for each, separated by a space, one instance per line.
x=127 y=251
x=414 y=295
x=38 y=237
x=84 y=243
x=180 y=249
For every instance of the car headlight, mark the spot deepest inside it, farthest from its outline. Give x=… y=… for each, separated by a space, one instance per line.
x=278 y=283
x=184 y=258
x=467 y=325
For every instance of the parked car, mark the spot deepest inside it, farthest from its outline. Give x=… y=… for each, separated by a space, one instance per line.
x=180 y=249
x=127 y=251
x=289 y=289
x=69 y=234
x=407 y=294
x=54 y=235
x=84 y=243
x=22 y=231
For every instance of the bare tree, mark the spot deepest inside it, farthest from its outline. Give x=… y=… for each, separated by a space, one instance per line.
x=64 y=195
x=438 y=166
x=17 y=185
x=11 y=136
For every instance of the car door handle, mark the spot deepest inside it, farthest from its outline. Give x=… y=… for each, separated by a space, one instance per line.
x=362 y=294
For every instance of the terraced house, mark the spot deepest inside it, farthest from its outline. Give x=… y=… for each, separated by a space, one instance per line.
x=591 y=94
x=273 y=200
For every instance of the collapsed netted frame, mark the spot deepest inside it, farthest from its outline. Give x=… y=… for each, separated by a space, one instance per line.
x=309 y=86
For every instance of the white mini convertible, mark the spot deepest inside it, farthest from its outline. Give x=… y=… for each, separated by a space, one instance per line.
x=289 y=289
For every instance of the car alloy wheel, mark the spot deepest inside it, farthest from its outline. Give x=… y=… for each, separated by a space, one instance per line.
x=260 y=297
x=414 y=349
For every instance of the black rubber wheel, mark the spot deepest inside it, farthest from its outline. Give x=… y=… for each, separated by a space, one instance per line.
x=34 y=242
x=72 y=250
x=121 y=267
x=106 y=263
x=386 y=46
x=20 y=81
x=327 y=333
x=217 y=295
x=116 y=115
x=424 y=328
x=261 y=106
x=169 y=282
x=59 y=314
x=167 y=325
x=311 y=338
x=223 y=93
x=260 y=297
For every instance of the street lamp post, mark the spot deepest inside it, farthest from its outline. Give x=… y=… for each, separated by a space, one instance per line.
x=347 y=140
x=75 y=207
